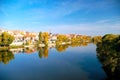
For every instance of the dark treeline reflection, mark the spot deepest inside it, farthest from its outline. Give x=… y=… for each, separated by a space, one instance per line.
x=6 y=56
x=108 y=52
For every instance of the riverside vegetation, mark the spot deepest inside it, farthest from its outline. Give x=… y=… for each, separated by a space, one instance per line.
x=6 y=39
x=108 y=52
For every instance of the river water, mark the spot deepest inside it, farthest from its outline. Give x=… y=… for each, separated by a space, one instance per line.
x=72 y=63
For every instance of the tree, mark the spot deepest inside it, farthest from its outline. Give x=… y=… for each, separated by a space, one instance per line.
x=43 y=38
x=40 y=37
x=97 y=39
x=108 y=38
x=62 y=39
x=6 y=39
x=0 y=39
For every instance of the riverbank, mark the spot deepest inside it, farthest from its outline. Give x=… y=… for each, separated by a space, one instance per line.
x=6 y=48
x=15 y=47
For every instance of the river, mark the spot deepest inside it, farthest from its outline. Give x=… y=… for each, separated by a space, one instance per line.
x=72 y=63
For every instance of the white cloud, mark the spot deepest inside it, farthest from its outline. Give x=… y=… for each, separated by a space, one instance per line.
x=97 y=28
x=100 y=27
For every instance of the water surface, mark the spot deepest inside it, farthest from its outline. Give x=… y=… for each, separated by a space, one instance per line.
x=74 y=63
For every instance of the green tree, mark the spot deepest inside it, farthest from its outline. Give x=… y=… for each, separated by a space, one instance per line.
x=43 y=38
x=40 y=37
x=108 y=38
x=6 y=39
x=0 y=40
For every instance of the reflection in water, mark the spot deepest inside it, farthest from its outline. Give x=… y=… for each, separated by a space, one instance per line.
x=29 y=50
x=6 y=56
x=43 y=52
x=80 y=44
x=61 y=48
x=110 y=59
x=74 y=64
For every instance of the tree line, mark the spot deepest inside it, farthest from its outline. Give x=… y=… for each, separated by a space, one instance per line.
x=6 y=39
x=108 y=52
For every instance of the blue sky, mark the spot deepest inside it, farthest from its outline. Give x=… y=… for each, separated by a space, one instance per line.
x=89 y=17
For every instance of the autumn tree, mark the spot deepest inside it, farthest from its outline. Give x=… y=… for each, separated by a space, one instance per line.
x=43 y=37
x=62 y=38
x=97 y=39
x=6 y=39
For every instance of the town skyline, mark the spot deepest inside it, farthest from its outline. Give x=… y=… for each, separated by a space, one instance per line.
x=61 y=16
